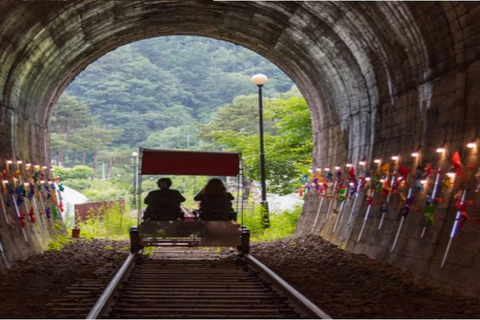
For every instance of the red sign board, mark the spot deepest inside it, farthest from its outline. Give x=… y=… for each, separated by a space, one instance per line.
x=189 y=162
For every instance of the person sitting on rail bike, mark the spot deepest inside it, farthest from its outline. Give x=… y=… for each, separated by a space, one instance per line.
x=215 y=202
x=164 y=204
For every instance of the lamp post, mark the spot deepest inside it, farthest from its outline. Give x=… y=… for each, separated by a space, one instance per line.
x=135 y=160
x=259 y=80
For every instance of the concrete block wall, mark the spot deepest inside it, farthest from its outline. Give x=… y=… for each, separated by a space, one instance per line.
x=20 y=140
x=443 y=110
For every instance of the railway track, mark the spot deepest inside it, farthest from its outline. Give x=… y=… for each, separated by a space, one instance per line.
x=180 y=284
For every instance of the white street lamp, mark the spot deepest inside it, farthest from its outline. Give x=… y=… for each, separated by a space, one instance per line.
x=259 y=80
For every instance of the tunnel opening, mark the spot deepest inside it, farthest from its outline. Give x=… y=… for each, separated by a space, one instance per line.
x=380 y=79
x=180 y=92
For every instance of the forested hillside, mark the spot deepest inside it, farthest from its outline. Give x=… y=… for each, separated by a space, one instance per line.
x=148 y=86
x=177 y=93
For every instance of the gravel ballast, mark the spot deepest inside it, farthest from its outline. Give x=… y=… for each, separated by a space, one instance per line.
x=343 y=284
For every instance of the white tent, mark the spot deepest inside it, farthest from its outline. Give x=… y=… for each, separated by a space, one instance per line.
x=70 y=199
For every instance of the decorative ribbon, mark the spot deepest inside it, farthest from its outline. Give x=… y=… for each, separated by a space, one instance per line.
x=418 y=181
x=403 y=172
x=55 y=211
x=31 y=213
x=36 y=176
x=31 y=190
x=341 y=196
x=385 y=189
x=457 y=164
x=428 y=216
x=60 y=206
x=428 y=170
x=385 y=168
x=406 y=208
x=369 y=201
x=446 y=183
x=384 y=208
x=329 y=178
x=48 y=212
x=21 y=217
x=49 y=194
x=19 y=193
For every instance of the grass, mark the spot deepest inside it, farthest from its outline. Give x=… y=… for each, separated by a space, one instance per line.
x=282 y=224
x=108 y=222
x=114 y=222
x=59 y=239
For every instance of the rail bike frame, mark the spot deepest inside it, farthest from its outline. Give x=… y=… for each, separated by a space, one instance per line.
x=189 y=231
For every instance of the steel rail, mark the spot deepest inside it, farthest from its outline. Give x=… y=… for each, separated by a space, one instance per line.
x=103 y=302
x=299 y=300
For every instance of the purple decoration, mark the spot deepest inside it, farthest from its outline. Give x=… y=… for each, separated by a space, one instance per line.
x=31 y=191
x=48 y=212
x=406 y=208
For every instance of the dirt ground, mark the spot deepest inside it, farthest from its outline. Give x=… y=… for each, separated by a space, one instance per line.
x=28 y=287
x=347 y=285
x=343 y=284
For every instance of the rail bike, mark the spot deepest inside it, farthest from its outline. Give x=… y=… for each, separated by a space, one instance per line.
x=206 y=229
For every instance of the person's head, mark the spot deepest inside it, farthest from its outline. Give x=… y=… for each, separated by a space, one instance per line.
x=164 y=183
x=214 y=188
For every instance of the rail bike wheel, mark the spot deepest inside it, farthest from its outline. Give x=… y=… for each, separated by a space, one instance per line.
x=135 y=244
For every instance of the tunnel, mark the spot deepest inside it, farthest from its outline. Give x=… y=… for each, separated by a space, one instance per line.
x=380 y=79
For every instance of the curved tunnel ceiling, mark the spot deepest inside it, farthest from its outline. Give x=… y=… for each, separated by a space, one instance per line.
x=347 y=58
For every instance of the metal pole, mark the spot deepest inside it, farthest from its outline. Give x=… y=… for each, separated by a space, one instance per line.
x=367 y=214
x=392 y=182
x=134 y=203
x=402 y=220
x=434 y=192
x=342 y=206
x=359 y=183
x=318 y=212
x=454 y=228
x=332 y=200
x=264 y=203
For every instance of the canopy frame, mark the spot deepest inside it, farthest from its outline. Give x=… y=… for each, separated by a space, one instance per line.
x=181 y=162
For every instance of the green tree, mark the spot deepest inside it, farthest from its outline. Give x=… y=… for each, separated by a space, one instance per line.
x=288 y=145
x=68 y=116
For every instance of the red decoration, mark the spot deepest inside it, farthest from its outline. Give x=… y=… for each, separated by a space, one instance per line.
x=428 y=170
x=351 y=172
x=403 y=172
x=457 y=164
x=31 y=213
x=23 y=223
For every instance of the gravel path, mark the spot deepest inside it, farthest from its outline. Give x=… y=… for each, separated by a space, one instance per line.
x=343 y=284
x=31 y=284
x=347 y=285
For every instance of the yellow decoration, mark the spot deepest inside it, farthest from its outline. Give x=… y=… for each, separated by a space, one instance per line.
x=385 y=168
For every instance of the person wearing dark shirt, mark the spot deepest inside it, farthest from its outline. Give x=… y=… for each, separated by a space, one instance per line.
x=215 y=202
x=165 y=203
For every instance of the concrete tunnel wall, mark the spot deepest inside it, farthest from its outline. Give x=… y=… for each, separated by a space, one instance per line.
x=379 y=78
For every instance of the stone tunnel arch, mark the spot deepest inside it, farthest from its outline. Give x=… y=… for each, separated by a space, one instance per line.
x=379 y=77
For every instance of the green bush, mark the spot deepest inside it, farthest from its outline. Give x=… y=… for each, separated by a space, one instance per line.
x=281 y=224
x=59 y=239
x=114 y=223
x=77 y=172
x=77 y=184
